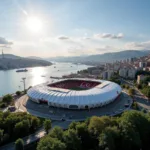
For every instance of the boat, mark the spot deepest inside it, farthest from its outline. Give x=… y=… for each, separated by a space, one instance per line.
x=42 y=75
x=21 y=70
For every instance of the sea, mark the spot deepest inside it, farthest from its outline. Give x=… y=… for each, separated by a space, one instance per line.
x=11 y=81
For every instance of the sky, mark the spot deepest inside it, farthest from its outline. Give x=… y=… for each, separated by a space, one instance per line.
x=50 y=28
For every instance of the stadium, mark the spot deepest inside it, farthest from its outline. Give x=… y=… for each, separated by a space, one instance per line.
x=75 y=93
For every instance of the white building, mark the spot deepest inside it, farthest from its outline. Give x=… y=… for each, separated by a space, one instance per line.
x=96 y=72
x=140 y=78
x=110 y=74
x=123 y=72
x=105 y=75
x=142 y=64
x=131 y=73
x=100 y=95
x=116 y=67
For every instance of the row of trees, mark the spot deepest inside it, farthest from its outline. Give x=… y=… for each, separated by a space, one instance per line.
x=6 y=100
x=131 y=131
x=143 y=86
x=16 y=125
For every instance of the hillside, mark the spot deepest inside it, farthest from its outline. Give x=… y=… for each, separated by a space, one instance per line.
x=13 y=62
x=34 y=57
x=106 y=57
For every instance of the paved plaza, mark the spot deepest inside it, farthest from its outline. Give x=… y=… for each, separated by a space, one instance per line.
x=43 y=110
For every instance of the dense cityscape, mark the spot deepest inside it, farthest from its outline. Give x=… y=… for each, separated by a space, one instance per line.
x=74 y=75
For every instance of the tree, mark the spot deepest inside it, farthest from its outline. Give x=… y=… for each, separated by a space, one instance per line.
x=137 y=126
x=7 y=98
x=139 y=86
x=109 y=138
x=1 y=135
x=22 y=126
x=18 y=93
x=83 y=134
x=19 y=144
x=73 y=125
x=131 y=92
x=49 y=143
x=72 y=140
x=47 y=125
x=35 y=123
x=127 y=86
x=129 y=137
x=96 y=125
x=56 y=132
x=123 y=86
x=135 y=106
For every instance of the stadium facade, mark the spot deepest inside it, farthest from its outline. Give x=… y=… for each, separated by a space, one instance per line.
x=75 y=93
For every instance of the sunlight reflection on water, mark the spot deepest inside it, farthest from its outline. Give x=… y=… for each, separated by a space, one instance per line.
x=10 y=81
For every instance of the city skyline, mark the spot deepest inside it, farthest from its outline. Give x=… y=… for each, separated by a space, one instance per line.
x=67 y=28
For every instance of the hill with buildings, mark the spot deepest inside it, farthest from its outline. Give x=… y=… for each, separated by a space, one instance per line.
x=106 y=57
x=9 y=61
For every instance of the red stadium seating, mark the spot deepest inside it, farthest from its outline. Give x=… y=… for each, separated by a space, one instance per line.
x=69 y=84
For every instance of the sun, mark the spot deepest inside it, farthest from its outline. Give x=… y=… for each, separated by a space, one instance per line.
x=34 y=24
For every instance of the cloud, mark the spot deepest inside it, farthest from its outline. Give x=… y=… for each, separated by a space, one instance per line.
x=138 y=45
x=3 y=41
x=63 y=38
x=109 y=36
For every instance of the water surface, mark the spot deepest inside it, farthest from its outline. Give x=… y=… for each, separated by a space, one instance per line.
x=10 y=81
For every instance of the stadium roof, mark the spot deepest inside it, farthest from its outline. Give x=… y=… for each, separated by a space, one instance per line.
x=97 y=96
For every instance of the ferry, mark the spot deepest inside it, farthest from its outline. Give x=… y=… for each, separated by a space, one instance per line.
x=21 y=70
x=43 y=76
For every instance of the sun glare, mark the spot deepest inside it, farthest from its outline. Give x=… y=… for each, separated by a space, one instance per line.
x=34 y=24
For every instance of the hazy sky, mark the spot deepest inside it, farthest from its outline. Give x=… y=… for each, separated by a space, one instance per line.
x=48 y=28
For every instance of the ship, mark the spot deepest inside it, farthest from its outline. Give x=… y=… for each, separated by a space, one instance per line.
x=21 y=70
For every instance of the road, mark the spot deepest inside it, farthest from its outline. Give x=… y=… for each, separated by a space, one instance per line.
x=37 y=135
x=141 y=99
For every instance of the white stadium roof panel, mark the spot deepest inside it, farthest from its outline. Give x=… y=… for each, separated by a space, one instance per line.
x=99 y=95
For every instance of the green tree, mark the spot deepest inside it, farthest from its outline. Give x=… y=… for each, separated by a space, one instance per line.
x=18 y=93
x=22 y=126
x=72 y=140
x=73 y=125
x=19 y=144
x=130 y=138
x=49 y=143
x=7 y=98
x=109 y=138
x=131 y=91
x=127 y=86
x=35 y=122
x=139 y=86
x=96 y=125
x=1 y=135
x=83 y=134
x=139 y=125
x=135 y=106
x=123 y=86
x=47 y=125
x=56 y=132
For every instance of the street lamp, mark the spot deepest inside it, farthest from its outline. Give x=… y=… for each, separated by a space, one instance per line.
x=24 y=83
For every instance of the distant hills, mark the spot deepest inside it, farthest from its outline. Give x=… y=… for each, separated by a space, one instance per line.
x=106 y=57
x=14 y=62
x=34 y=57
